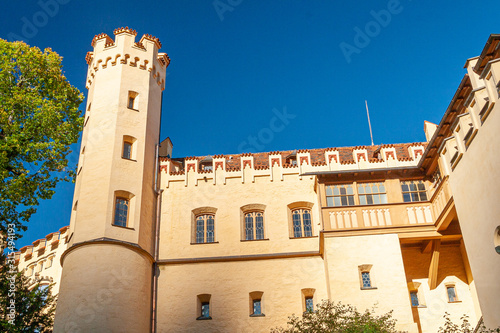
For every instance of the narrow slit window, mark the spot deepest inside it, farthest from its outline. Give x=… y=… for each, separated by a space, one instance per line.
x=127 y=150
x=414 y=299
x=452 y=294
x=257 y=307
x=309 y=304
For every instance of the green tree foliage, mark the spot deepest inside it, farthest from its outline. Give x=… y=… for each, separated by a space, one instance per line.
x=337 y=317
x=464 y=327
x=39 y=120
x=23 y=307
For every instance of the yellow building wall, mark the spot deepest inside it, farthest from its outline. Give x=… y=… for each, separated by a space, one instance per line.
x=474 y=182
x=229 y=283
x=179 y=200
x=434 y=303
x=344 y=255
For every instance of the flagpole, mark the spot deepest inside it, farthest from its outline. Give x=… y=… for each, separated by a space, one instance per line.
x=369 y=124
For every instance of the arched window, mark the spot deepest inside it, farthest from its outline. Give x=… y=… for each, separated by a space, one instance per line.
x=203 y=225
x=254 y=225
x=205 y=228
x=252 y=222
x=301 y=219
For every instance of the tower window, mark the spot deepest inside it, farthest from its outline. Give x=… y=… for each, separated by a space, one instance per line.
x=127 y=150
x=132 y=102
x=121 y=212
x=302 y=226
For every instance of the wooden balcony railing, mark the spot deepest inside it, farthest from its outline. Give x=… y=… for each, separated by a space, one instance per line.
x=388 y=215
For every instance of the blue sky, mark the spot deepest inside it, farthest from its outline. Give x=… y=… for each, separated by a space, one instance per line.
x=235 y=63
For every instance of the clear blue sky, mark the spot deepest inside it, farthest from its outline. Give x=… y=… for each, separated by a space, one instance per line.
x=231 y=66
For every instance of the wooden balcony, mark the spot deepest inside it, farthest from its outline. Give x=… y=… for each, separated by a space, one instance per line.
x=391 y=215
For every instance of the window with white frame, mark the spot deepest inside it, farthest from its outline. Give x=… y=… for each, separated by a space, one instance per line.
x=205 y=228
x=254 y=225
x=413 y=190
x=339 y=195
x=302 y=226
x=372 y=193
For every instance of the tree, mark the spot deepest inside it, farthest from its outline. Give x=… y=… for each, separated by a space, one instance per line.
x=465 y=326
x=39 y=120
x=23 y=307
x=331 y=317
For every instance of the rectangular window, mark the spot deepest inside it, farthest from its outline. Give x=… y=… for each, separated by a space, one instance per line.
x=309 y=304
x=339 y=195
x=452 y=294
x=121 y=212
x=257 y=308
x=372 y=194
x=365 y=276
x=203 y=307
x=205 y=310
x=414 y=299
x=413 y=191
x=49 y=262
x=131 y=102
x=127 y=150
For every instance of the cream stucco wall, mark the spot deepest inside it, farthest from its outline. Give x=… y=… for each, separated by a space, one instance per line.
x=179 y=200
x=476 y=198
x=102 y=299
x=474 y=182
x=434 y=303
x=229 y=283
x=345 y=254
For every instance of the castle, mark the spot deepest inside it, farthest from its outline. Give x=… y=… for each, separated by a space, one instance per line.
x=237 y=243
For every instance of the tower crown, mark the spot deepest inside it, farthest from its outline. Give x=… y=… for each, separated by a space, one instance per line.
x=124 y=50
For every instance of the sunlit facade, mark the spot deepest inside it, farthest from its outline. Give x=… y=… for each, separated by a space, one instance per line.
x=237 y=243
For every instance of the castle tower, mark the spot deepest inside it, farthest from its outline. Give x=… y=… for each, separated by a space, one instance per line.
x=107 y=270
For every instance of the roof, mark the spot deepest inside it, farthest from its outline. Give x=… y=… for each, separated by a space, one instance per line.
x=261 y=160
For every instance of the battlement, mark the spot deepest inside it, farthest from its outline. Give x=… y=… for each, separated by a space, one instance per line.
x=278 y=164
x=41 y=247
x=124 y=50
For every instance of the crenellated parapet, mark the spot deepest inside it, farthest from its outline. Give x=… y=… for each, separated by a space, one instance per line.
x=40 y=261
x=278 y=165
x=125 y=51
